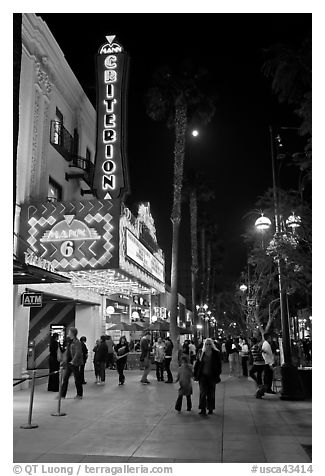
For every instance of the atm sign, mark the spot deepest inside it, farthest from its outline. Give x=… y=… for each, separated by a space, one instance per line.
x=32 y=299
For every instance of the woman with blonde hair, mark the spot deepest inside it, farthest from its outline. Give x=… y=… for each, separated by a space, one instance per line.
x=207 y=371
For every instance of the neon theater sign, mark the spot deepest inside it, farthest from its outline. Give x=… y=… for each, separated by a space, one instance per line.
x=110 y=179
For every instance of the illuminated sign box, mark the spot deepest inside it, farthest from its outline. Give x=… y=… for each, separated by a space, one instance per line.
x=72 y=236
x=136 y=251
x=110 y=178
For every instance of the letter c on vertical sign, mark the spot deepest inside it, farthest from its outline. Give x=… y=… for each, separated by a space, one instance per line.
x=110 y=61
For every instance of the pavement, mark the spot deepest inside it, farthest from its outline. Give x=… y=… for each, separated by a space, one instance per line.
x=138 y=423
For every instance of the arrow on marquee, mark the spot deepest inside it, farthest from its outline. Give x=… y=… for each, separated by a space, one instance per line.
x=80 y=247
x=110 y=38
x=54 y=250
x=45 y=209
x=44 y=249
x=91 y=246
x=83 y=206
x=107 y=197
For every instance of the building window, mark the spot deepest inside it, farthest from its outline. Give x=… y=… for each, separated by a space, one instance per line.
x=58 y=124
x=88 y=154
x=54 y=191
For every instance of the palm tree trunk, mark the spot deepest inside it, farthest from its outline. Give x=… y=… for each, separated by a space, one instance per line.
x=179 y=155
x=194 y=253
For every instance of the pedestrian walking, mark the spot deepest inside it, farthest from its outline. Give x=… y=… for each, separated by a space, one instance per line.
x=207 y=371
x=101 y=357
x=268 y=357
x=145 y=347
x=95 y=362
x=244 y=357
x=184 y=377
x=256 y=372
x=72 y=363
x=232 y=352
x=122 y=350
x=192 y=350
x=110 y=364
x=159 y=355
x=54 y=363
x=224 y=352
x=168 y=358
x=83 y=341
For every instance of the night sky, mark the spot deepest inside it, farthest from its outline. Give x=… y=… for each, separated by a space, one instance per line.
x=233 y=150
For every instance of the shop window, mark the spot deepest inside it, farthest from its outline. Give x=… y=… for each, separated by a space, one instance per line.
x=54 y=191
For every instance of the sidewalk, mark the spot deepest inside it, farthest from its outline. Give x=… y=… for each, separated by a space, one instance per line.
x=138 y=423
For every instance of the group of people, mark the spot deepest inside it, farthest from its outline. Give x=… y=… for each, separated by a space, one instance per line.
x=201 y=363
x=260 y=353
x=73 y=355
x=106 y=355
x=207 y=369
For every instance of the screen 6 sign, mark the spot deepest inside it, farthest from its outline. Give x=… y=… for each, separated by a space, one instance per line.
x=73 y=236
x=110 y=178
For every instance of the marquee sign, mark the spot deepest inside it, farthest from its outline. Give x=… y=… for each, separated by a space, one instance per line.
x=72 y=236
x=142 y=256
x=110 y=178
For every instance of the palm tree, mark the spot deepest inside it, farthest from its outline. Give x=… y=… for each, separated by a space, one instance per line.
x=177 y=97
x=196 y=191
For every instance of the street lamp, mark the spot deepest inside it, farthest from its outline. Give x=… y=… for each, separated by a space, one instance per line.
x=291 y=384
x=195 y=133
x=243 y=288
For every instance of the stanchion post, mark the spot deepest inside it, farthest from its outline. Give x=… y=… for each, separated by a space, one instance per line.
x=29 y=424
x=58 y=412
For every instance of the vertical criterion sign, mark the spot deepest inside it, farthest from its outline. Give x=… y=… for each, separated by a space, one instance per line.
x=111 y=176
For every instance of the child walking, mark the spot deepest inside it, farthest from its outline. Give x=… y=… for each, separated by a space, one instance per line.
x=184 y=377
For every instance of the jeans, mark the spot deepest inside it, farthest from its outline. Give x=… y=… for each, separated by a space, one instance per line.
x=72 y=369
x=207 y=393
x=110 y=361
x=256 y=373
x=160 y=371
x=234 y=364
x=97 y=369
x=244 y=361
x=146 y=364
x=102 y=368
x=268 y=377
x=179 y=401
x=167 y=368
x=120 y=365
x=82 y=373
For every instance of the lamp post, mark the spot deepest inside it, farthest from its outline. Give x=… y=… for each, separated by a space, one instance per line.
x=291 y=384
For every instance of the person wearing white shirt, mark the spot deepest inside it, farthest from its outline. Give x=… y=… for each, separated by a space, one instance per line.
x=269 y=361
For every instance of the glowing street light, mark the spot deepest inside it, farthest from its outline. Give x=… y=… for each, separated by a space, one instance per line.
x=243 y=288
x=195 y=133
x=263 y=223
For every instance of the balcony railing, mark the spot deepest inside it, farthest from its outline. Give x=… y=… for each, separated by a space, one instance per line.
x=86 y=166
x=61 y=140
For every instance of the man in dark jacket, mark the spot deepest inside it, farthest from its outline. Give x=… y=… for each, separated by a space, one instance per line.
x=101 y=357
x=145 y=347
x=168 y=359
x=207 y=371
x=73 y=361
x=83 y=341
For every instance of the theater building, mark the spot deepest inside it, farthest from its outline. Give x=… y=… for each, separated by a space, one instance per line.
x=77 y=248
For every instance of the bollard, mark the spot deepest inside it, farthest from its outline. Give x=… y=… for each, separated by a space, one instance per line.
x=58 y=412
x=29 y=424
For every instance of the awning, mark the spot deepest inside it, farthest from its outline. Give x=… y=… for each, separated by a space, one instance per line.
x=28 y=274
